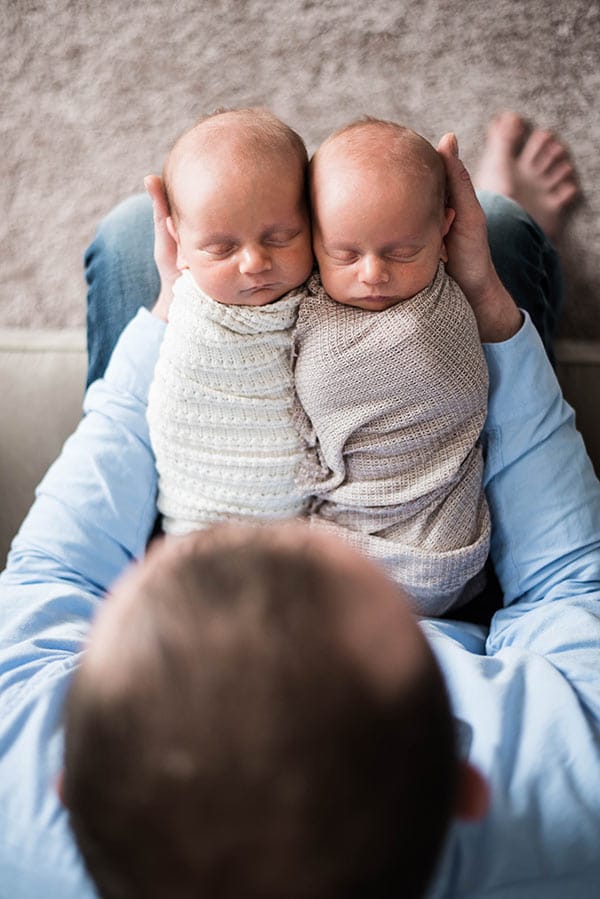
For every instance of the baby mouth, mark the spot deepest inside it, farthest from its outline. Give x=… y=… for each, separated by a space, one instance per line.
x=258 y=287
x=375 y=298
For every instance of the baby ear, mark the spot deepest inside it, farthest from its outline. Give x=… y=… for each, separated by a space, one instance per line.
x=449 y=216
x=181 y=261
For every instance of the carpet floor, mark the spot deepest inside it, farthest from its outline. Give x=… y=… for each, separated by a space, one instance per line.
x=93 y=92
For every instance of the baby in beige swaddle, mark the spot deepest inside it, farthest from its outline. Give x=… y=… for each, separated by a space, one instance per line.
x=390 y=372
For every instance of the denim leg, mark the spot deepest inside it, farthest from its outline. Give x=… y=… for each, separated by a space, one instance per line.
x=526 y=261
x=121 y=276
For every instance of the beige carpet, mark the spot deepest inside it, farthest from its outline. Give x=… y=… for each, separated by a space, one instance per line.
x=92 y=94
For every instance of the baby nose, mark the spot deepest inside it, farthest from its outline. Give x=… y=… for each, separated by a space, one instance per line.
x=373 y=270
x=254 y=259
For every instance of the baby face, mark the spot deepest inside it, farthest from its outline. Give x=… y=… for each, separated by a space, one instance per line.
x=242 y=229
x=378 y=235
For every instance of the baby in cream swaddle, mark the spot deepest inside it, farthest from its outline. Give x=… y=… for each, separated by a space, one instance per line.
x=220 y=406
x=390 y=372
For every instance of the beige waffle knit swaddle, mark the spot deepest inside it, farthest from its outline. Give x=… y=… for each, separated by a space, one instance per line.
x=220 y=412
x=397 y=400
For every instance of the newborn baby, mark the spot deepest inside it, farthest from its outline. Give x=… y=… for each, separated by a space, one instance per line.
x=390 y=372
x=220 y=407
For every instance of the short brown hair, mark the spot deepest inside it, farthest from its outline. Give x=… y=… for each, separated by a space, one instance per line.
x=242 y=750
x=264 y=136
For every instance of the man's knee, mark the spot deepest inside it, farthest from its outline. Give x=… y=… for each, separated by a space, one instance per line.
x=126 y=226
x=511 y=230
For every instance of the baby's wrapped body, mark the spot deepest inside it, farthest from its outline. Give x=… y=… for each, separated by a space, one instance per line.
x=220 y=412
x=396 y=400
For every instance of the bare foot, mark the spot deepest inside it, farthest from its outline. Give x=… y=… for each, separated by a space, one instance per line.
x=530 y=166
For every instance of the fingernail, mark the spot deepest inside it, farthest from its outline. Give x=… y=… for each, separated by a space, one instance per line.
x=454 y=145
x=146 y=181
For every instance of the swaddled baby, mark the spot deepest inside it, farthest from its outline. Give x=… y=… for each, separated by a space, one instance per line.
x=220 y=406
x=390 y=372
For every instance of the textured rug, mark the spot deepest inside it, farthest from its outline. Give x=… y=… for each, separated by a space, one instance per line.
x=93 y=93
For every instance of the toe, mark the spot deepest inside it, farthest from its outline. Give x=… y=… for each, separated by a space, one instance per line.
x=565 y=194
x=552 y=155
x=558 y=173
x=535 y=148
x=507 y=130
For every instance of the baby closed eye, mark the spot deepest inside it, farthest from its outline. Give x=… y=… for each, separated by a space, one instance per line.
x=349 y=257
x=344 y=257
x=218 y=250
x=404 y=256
x=280 y=238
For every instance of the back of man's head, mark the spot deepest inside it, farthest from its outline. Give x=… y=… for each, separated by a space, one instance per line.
x=258 y=715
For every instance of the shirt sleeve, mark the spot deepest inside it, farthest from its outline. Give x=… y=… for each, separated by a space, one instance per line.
x=93 y=513
x=545 y=504
x=530 y=689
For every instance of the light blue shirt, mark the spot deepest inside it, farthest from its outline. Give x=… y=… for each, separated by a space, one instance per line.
x=529 y=689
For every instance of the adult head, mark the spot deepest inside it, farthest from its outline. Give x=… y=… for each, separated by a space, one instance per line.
x=259 y=715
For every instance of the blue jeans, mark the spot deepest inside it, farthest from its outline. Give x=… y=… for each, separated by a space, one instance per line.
x=527 y=263
x=122 y=276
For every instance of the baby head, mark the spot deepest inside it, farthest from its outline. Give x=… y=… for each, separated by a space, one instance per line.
x=235 y=185
x=258 y=714
x=379 y=213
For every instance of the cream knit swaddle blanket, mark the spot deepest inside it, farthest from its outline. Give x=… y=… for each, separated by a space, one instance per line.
x=220 y=412
x=397 y=400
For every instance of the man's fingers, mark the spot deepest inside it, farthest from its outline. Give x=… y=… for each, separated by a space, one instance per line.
x=460 y=186
x=469 y=260
x=448 y=145
x=160 y=207
x=165 y=247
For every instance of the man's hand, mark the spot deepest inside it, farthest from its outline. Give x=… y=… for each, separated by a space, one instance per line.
x=469 y=259
x=165 y=248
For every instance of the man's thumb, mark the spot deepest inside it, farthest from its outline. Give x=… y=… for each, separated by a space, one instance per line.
x=448 y=146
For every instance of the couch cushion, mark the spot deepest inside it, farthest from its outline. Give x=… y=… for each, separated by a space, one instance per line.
x=42 y=378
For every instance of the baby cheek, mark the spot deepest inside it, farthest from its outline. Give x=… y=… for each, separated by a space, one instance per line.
x=303 y=259
x=335 y=280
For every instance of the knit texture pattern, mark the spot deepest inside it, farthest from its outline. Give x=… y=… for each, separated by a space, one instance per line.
x=395 y=401
x=220 y=412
